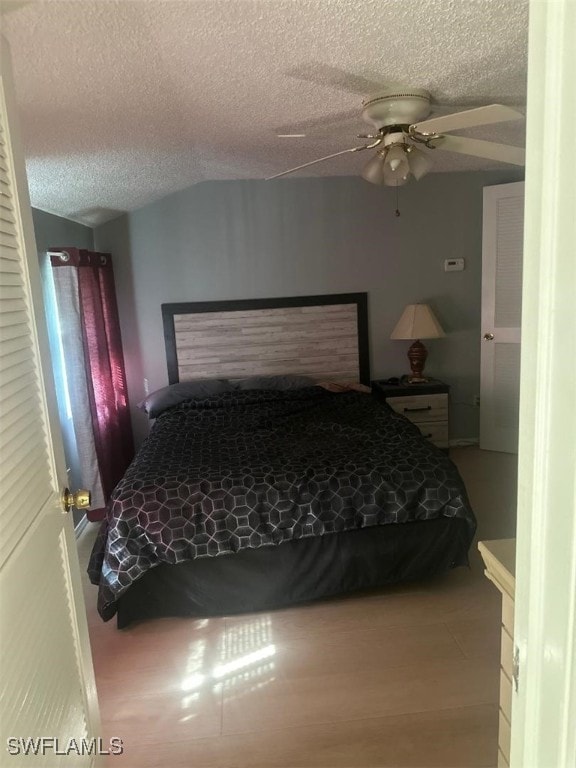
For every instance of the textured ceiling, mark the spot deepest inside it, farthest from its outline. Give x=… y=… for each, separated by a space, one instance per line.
x=125 y=102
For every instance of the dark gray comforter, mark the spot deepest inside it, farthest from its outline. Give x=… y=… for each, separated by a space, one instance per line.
x=248 y=469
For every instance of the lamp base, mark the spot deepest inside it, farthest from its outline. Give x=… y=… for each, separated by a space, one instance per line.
x=417 y=355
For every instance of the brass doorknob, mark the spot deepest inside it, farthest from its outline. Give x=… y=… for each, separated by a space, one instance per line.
x=81 y=499
x=488 y=336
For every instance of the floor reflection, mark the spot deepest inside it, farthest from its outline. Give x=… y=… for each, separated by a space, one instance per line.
x=236 y=663
x=249 y=664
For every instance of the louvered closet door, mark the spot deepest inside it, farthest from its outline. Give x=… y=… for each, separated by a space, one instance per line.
x=46 y=676
x=502 y=246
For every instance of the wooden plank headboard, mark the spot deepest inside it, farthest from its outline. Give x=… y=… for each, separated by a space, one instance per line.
x=325 y=337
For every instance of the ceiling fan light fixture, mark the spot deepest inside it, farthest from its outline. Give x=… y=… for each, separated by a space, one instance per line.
x=394 y=179
x=374 y=170
x=419 y=163
x=396 y=163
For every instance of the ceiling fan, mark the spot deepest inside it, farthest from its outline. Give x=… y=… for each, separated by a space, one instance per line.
x=404 y=137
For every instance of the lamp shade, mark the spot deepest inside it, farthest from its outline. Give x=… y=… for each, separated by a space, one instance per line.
x=394 y=179
x=374 y=170
x=417 y=322
x=396 y=162
x=419 y=163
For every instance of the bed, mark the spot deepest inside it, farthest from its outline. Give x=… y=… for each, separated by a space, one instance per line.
x=261 y=486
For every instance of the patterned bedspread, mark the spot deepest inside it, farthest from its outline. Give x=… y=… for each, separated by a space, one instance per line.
x=248 y=469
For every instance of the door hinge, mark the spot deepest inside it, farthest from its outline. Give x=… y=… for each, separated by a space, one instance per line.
x=516 y=668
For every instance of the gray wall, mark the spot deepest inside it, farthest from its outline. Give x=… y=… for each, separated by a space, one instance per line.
x=249 y=239
x=53 y=231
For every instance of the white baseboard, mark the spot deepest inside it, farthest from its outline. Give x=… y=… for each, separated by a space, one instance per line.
x=462 y=442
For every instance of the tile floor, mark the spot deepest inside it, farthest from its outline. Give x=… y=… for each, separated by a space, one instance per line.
x=401 y=677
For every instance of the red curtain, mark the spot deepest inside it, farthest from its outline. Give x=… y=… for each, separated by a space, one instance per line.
x=104 y=364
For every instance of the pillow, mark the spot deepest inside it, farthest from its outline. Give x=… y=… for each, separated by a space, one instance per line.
x=287 y=381
x=174 y=394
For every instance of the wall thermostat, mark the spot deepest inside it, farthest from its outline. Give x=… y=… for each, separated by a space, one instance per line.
x=453 y=265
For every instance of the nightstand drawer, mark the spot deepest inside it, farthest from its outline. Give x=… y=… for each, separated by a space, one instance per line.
x=421 y=408
x=435 y=431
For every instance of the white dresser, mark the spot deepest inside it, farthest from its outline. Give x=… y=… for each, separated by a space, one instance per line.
x=500 y=560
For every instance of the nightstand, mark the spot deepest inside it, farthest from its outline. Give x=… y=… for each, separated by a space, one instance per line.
x=426 y=405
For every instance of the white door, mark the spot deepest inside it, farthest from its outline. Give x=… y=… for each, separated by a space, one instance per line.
x=502 y=237
x=47 y=680
x=544 y=707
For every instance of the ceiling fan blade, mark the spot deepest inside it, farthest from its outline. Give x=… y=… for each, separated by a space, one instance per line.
x=493 y=113
x=313 y=162
x=488 y=149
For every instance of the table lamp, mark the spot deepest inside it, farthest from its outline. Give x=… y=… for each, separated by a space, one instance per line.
x=417 y=322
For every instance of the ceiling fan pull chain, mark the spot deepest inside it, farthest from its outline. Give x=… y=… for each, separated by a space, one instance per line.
x=397 y=211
